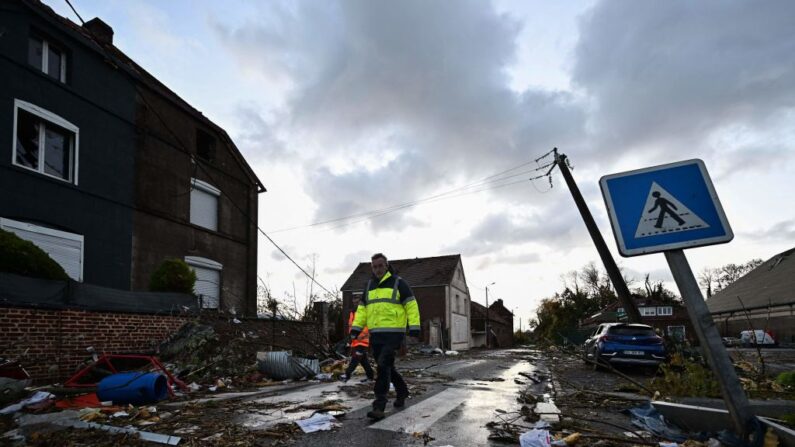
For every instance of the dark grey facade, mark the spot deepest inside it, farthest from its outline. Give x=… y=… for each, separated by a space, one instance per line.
x=98 y=101
x=136 y=149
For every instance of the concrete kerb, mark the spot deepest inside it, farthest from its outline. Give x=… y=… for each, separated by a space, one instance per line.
x=695 y=418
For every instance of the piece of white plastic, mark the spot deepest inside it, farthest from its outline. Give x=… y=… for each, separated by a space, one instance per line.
x=535 y=438
x=39 y=396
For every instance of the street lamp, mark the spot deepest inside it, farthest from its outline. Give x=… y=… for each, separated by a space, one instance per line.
x=487 y=314
x=513 y=315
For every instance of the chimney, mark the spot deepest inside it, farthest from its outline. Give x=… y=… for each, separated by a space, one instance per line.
x=101 y=31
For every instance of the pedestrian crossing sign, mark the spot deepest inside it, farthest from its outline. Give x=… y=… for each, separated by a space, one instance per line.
x=667 y=207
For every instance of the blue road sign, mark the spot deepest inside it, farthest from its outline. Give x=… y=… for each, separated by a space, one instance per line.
x=666 y=207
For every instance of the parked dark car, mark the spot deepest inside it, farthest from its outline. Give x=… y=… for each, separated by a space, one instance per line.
x=622 y=343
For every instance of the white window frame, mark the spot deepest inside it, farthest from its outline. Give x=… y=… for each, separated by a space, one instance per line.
x=665 y=311
x=31 y=228
x=648 y=311
x=45 y=60
x=46 y=115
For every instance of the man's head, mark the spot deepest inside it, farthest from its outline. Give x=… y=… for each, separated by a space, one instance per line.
x=379 y=264
x=355 y=302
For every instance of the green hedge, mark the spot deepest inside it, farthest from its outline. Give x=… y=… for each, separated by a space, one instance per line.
x=173 y=275
x=23 y=257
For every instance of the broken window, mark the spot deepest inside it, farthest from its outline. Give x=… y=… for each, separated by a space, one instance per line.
x=44 y=142
x=46 y=56
x=205 y=145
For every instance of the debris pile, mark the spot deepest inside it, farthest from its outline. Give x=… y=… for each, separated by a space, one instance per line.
x=210 y=349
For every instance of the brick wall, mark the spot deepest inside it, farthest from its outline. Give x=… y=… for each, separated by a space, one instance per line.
x=51 y=344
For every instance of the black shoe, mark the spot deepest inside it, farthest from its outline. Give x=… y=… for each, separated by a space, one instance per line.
x=376 y=414
x=400 y=402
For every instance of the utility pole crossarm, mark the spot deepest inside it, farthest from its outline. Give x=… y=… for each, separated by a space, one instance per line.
x=607 y=259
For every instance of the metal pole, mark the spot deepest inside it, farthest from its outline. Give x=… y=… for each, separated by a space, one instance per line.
x=487 y=316
x=607 y=259
x=713 y=348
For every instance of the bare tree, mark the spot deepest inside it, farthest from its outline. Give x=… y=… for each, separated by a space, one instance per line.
x=706 y=278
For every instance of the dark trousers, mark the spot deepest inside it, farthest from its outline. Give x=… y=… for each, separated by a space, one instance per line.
x=359 y=356
x=384 y=348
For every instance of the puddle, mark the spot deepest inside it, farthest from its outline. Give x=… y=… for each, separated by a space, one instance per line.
x=467 y=422
x=284 y=408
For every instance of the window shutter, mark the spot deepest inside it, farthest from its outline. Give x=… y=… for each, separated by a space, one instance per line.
x=204 y=205
x=64 y=248
x=208 y=286
x=208 y=280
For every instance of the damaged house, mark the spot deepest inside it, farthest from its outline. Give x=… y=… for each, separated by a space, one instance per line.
x=500 y=325
x=110 y=172
x=669 y=318
x=442 y=294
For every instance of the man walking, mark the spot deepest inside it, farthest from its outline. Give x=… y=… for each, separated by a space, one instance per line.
x=359 y=347
x=387 y=308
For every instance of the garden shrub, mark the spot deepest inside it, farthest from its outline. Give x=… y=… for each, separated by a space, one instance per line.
x=22 y=257
x=173 y=275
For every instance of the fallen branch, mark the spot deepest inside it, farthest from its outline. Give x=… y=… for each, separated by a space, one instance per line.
x=619 y=440
x=622 y=375
x=597 y=421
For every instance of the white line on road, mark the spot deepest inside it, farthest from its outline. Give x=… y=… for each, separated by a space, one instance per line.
x=420 y=417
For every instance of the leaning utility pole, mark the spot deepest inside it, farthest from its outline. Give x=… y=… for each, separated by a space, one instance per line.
x=607 y=259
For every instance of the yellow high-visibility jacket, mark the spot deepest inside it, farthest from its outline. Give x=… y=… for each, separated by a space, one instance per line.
x=387 y=305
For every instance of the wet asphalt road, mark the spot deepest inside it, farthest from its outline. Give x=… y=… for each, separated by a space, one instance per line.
x=453 y=412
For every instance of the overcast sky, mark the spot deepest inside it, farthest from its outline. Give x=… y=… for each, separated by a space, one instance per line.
x=343 y=107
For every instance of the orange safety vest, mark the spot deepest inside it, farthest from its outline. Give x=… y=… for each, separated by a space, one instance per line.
x=364 y=337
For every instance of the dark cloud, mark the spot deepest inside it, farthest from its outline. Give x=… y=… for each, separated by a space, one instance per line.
x=666 y=75
x=559 y=226
x=423 y=81
x=783 y=231
x=256 y=139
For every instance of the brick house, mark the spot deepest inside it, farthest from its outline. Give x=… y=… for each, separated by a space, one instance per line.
x=440 y=287
x=110 y=171
x=670 y=318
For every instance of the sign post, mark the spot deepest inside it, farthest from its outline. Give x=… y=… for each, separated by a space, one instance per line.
x=665 y=209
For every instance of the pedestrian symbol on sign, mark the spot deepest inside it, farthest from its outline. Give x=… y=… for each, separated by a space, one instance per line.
x=663 y=213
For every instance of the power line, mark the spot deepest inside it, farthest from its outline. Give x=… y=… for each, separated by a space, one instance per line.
x=516 y=182
x=239 y=208
x=184 y=147
x=449 y=194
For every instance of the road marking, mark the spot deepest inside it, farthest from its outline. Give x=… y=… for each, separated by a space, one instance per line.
x=420 y=417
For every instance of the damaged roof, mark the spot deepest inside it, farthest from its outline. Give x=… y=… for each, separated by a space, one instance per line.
x=770 y=284
x=118 y=59
x=479 y=313
x=418 y=272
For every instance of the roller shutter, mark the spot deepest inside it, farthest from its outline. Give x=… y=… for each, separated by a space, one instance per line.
x=204 y=204
x=208 y=280
x=64 y=248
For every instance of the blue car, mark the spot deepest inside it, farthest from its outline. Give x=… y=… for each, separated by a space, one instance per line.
x=622 y=343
